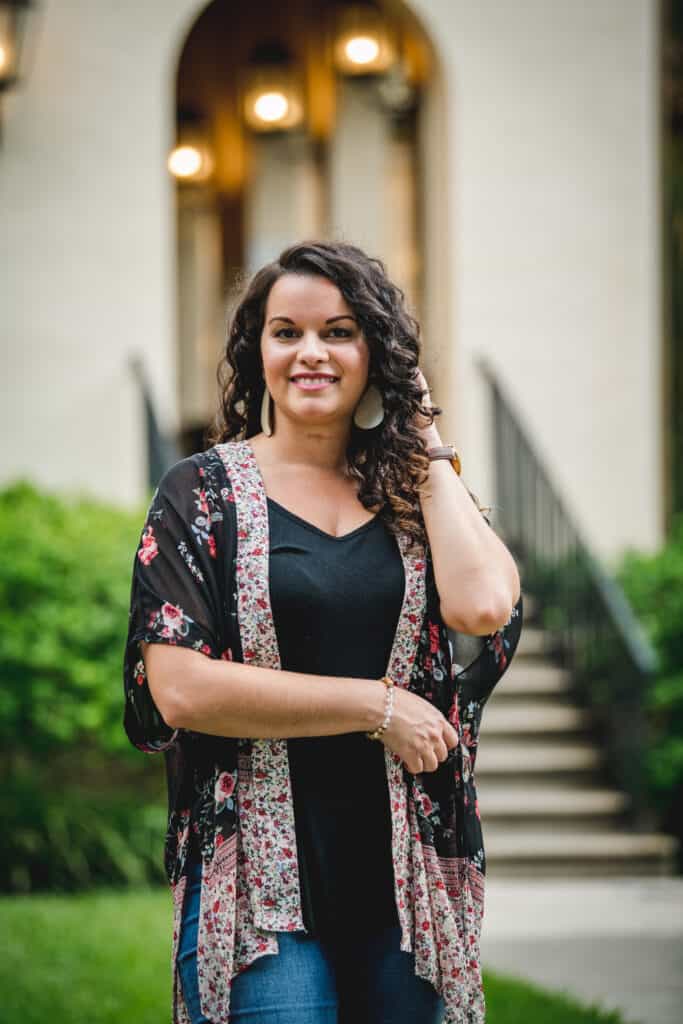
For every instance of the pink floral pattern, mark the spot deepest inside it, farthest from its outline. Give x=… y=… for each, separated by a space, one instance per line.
x=215 y=940
x=180 y=1012
x=265 y=803
x=148 y=546
x=174 y=622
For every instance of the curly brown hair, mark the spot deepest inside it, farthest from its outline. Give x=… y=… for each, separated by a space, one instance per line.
x=389 y=461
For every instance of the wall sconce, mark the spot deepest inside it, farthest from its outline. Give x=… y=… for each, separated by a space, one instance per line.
x=14 y=16
x=191 y=161
x=272 y=93
x=362 y=41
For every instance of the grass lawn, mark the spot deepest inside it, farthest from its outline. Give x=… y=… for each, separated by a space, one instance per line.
x=104 y=958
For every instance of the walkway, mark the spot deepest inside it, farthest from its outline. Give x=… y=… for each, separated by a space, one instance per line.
x=615 y=942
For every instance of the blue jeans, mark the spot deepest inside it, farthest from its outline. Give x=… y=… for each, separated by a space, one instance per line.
x=361 y=980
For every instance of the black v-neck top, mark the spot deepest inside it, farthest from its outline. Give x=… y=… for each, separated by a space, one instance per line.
x=336 y=603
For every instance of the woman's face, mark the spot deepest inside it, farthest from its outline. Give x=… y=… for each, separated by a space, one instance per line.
x=310 y=329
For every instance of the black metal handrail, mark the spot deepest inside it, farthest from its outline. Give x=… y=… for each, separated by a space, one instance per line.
x=162 y=451
x=591 y=626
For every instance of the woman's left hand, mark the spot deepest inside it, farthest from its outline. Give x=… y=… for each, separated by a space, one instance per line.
x=427 y=429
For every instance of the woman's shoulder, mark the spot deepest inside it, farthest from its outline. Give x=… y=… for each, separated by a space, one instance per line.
x=195 y=500
x=201 y=470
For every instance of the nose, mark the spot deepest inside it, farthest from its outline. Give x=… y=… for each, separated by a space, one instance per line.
x=312 y=346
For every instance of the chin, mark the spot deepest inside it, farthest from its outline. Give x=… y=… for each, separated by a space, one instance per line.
x=312 y=415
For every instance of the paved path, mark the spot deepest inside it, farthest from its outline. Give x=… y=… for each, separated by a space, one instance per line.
x=614 y=942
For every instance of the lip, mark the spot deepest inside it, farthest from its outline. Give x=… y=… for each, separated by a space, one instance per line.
x=311 y=384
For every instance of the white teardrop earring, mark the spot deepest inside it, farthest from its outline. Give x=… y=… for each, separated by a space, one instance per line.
x=266 y=414
x=369 y=412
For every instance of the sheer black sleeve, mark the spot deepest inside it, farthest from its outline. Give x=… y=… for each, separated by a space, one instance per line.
x=177 y=591
x=478 y=662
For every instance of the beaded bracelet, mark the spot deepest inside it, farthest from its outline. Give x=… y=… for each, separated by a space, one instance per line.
x=377 y=733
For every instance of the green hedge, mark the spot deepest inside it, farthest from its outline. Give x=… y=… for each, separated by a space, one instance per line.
x=67 y=838
x=65 y=570
x=654 y=585
x=79 y=805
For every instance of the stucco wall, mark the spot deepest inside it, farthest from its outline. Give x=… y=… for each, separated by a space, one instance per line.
x=88 y=243
x=553 y=221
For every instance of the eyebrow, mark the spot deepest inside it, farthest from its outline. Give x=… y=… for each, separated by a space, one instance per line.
x=342 y=316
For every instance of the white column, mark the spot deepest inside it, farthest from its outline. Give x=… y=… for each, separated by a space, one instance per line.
x=372 y=183
x=200 y=304
x=284 y=200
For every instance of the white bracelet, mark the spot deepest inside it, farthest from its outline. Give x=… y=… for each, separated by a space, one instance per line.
x=388 y=710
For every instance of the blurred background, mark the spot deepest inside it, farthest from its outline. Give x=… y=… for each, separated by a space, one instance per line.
x=519 y=168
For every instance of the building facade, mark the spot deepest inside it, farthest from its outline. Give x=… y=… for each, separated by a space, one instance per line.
x=518 y=203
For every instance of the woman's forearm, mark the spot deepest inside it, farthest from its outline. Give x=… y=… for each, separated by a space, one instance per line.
x=228 y=698
x=475 y=574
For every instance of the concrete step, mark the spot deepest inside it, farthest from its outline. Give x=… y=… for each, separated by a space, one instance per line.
x=531 y=642
x=544 y=853
x=535 y=759
x=541 y=680
x=560 y=807
x=532 y=718
x=543 y=810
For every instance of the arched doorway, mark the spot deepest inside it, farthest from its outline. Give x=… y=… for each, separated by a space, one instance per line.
x=315 y=120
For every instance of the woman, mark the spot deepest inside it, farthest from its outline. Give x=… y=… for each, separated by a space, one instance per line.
x=288 y=649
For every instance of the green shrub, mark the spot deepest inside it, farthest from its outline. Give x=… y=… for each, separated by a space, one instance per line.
x=654 y=586
x=79 y=805
x=65 y=568
x=65 y=838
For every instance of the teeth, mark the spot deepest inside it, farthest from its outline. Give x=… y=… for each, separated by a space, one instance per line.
x=314 y=378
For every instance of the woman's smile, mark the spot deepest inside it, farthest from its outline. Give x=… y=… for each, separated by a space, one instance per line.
x=314 y=383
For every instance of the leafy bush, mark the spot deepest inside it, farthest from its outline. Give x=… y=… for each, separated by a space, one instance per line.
x=65 y=568
x=654 y=585
x=79 y=805
x=77 y=837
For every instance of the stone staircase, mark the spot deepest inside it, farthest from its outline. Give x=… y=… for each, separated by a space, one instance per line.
x=545 y=808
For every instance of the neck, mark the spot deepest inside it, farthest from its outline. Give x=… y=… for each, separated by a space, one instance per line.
x=319 y=446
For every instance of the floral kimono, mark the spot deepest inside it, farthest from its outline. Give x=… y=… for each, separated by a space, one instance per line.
x=200 y=580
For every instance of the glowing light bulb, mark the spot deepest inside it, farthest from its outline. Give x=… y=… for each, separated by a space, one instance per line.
x=185 y=161
x=3 y=57
x=271 y=106
x=362 y=49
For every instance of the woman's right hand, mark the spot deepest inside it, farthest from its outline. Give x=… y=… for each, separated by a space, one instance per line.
x=418 y=732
